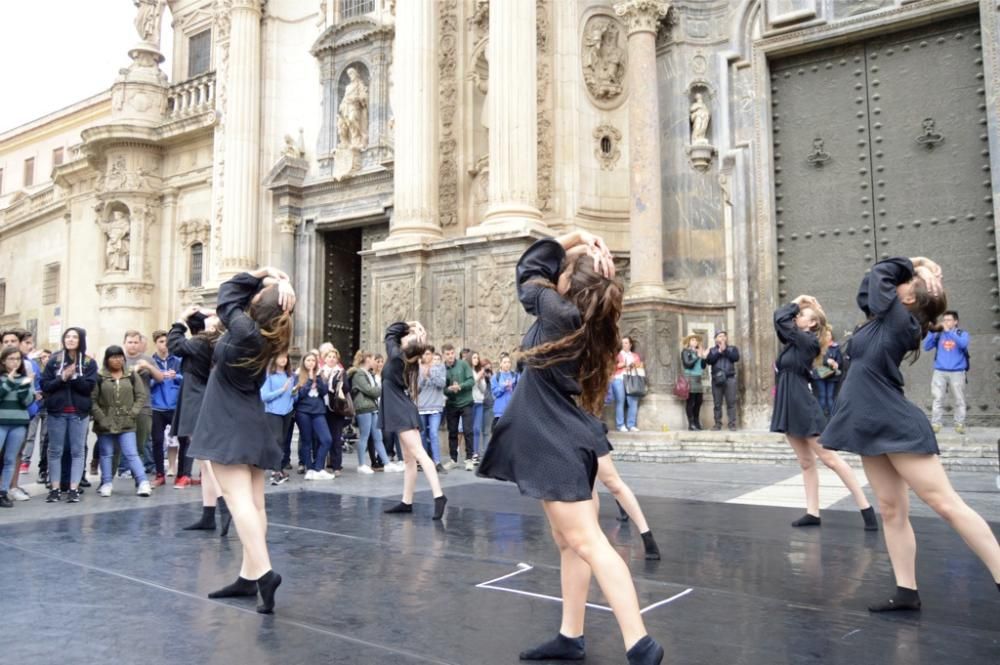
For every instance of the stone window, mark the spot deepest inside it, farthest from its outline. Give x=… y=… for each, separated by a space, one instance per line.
x=352 y=8
x=197 y=265
x=199 y=53
x=29 y=172
x=57 y=157
x=50 y=284
x=3 y=296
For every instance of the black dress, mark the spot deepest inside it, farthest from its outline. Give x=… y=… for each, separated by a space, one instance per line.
x=232 y=427
x=544 y=441
x=872 y=415
x=397 y=412
x=796 y=411
x=196 y=364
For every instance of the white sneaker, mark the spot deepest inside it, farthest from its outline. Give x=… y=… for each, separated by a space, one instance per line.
x=365 y=469
x=323 y=474
x=310 y=475
x=470 y=465
x=623 y=429
x=19 y=494
x=634 y=429
x=105 y=490
x=144 y=489
x=449 y=465
x=395 y=467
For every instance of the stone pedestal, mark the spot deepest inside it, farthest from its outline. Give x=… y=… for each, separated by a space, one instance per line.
x=139 y=94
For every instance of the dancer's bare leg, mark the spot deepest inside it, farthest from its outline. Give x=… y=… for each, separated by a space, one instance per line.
x=893 y=499
x=843 y=470
x=414 y=453
x=210 y=491
x=574 y=574
x=926 y=475
x=608 y=475
x=237 y=484
x=810 y=476
x=575 y=523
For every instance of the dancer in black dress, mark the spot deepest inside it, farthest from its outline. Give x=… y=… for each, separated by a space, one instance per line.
x=549 y=439
x=232 y=429
x=196 y=365
x=796 y=412
x=903 y=299
x=405 y=344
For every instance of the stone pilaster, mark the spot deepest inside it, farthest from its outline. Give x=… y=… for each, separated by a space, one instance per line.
x=167 y=293
x=645 y=198
x=242 y=141
x=512 y=111
x=415 y=81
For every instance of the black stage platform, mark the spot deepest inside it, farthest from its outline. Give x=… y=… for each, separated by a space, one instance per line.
x=365 y=588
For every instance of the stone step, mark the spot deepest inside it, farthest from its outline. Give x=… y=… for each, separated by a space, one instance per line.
x=696 y=447
x=983 y=464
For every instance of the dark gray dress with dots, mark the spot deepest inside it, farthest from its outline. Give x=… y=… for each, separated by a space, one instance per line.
x=796 y=411
x=397 y=411
x=872 y=415
x=544 y=441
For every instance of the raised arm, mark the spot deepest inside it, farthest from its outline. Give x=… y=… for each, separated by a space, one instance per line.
x=877 y=292
x=394 y=335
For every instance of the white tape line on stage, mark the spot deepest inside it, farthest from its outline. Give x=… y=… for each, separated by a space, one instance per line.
x=524 y=567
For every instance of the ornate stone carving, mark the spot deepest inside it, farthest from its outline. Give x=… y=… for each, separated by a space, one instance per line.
x=395 y=300
x=701 y=115
x=447 y=101
x=496 y=309
x=117 y=241
x=292 y=148
x=287 y=224
x=192 y=231
x=604 y=58
x=607 y=142
x=222 y=22
x=352 y=114
x=449 y=307
x=642 y=15
x=546 y=157
x=480 y=19
x=147 y=20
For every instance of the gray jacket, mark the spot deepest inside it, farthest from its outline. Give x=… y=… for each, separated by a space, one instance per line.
x=430 y=395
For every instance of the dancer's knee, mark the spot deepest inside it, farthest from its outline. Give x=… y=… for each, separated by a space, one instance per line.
x=946 y=504
x=807 y=462
x=894 y=511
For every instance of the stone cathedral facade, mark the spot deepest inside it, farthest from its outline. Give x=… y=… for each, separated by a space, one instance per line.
x=397 y=156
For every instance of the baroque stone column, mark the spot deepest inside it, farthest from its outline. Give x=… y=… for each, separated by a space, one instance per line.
x=645 y=213
x=242 y=141
x=513 y=123
x=415 y=81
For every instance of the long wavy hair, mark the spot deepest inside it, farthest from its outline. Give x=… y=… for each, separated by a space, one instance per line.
x=825 y=341
x=275 y=327
x=412 y=354
x=927 y=309
x=303 y=373
x=595 y=344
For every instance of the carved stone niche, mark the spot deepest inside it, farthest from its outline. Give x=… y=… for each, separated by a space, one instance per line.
x=607 y=145
x=604 y=57
x=700 y=150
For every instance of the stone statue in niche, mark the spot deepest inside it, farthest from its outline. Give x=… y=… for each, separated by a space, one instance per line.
x=604 y=59
x=352 y=114
x=701 y=115
x=117 y=231
x=147 y=20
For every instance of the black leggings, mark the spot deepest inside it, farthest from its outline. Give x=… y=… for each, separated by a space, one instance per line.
x=693 y=408
x=160 y=421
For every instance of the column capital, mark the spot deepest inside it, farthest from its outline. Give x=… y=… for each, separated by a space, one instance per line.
x=287 y=223
x=642 y=15
x=252 y=5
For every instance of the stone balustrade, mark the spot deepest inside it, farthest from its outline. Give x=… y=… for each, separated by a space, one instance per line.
x=191 y=97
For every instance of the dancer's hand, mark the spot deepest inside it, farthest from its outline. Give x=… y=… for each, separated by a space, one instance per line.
x=931 y=280
x=286 y=295
x=188 y=312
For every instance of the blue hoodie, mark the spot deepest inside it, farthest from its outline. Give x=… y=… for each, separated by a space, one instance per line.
x=952 y=350
x=277 y=400
x=163 y=394
x=500 y=392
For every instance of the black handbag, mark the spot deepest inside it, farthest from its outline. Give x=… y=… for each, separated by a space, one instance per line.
x=635 y=384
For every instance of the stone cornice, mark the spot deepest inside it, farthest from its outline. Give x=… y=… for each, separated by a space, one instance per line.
x=642 y=15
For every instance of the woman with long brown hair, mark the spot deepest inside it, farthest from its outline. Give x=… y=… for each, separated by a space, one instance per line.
x=405 y=344
x=796 y=412
x=550 y=437
x=232 y=428
x=903 y=299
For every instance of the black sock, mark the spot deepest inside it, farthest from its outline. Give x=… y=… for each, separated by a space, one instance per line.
x=807 y=520
x=227 y=517
x=439 y=502
x=871 y=523
x=622 y=515
x=998 y=586
x=400 y=507
x=652 y=551
x=904 y=599
x=241 y=587
x=645 y=652
x=207 y=521
x=267 y=584
x=561 y=648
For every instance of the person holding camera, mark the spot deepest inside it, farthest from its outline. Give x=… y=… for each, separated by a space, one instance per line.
x=951 y=363
x=722 y=358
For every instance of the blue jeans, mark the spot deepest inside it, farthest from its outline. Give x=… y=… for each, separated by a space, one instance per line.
x=11 y=438
x=621 y=401
x=67 y=431
x=824 y=393
x=368 y=427
x=130 y=456
x=429 y=433
x=477 y=427
x=314 y=440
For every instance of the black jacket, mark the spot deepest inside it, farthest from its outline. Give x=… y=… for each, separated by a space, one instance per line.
x=76 y=392
x=723 y=361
